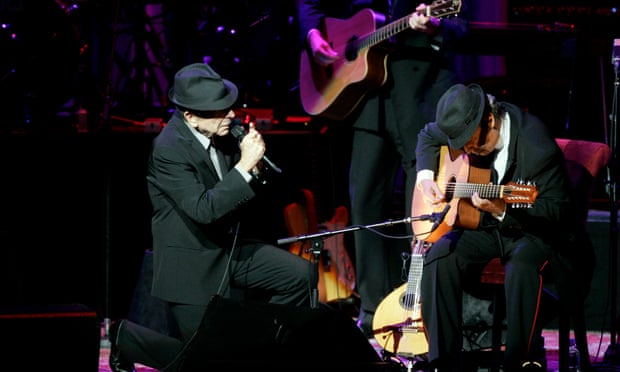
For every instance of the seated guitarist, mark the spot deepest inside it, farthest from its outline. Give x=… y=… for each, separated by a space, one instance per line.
x=512 y=145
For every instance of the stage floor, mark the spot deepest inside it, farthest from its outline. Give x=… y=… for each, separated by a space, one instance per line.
x=598 y=344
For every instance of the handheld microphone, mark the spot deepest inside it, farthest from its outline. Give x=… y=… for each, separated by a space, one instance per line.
x=615 y=54
x=238 y=131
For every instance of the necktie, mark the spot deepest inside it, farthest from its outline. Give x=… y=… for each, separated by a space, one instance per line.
x=217 y=159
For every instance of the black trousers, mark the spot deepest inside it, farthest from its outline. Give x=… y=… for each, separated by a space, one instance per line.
x=456 y=260
x=259 y=272
x=146 y=346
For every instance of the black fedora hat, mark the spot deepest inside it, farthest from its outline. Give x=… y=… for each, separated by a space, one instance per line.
x=197 y=87
x=459 y=112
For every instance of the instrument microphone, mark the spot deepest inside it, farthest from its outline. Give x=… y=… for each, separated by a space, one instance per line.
x=238 y=131
x=615 y=54
x=440 y=216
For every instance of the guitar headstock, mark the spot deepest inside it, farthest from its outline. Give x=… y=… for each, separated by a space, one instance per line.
x=442 y=8
x=520 y=194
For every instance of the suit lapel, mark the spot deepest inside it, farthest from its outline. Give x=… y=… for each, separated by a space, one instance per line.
x=197 y=151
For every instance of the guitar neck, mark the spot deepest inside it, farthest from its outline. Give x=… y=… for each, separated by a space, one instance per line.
x=437 y=8
x=413 y=281
x=384 y=33
x=466 y=190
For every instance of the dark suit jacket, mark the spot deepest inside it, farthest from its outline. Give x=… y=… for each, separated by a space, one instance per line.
x=533 y=156
x=194 y=214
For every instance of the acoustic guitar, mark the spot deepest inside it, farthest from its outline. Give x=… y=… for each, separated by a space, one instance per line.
x=458 y=179
x=336 y=272
x=335 y=91
x=397 y=324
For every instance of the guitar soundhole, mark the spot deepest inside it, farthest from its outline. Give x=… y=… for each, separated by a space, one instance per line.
x=329 y=71
x=407 y=301
x=449 y=191
x=351 y=50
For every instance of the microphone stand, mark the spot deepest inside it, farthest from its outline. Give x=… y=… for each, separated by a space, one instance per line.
x=612 y=353
x=104 y=127
x=318 y=239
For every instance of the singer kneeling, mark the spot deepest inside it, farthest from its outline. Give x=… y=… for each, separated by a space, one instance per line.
x=208 y=223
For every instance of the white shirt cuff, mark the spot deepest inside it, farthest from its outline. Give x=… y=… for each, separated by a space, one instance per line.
x=247 y=176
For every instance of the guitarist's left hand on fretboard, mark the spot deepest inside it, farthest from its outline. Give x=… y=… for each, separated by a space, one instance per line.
x=497 y=207
x=423 y=23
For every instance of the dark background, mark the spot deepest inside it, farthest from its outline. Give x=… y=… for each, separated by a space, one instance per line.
x=74 y=211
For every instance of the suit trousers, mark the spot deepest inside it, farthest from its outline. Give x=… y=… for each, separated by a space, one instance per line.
x=454 y=262
x=146 y=346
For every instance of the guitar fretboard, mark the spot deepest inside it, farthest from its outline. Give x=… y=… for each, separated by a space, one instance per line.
x=466 y=190
x=412 y=293
x=438 y=8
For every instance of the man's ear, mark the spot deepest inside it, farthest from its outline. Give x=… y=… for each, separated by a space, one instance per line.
x=190 y=119
x=491 y=121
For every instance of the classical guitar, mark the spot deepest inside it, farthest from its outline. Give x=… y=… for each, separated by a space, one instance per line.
x=397 y=324
x=336 y=272
x=335 y=91
x=458 y=179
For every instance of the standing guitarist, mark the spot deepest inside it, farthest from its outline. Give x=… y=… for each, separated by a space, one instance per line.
x=419 y=68
x=511 y=145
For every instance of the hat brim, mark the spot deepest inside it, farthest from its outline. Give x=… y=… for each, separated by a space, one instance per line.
x=222 y=103
x=463 y=138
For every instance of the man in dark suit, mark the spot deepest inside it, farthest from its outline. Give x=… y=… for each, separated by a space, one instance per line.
x=382 y=130
x=512 y=145
x=203 y=183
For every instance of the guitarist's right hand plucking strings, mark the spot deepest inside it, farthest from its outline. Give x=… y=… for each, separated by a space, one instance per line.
x=430 y=190
x=322 y=52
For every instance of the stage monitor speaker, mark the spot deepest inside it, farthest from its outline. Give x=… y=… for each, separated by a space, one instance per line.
x=597 y=310
x=146 y=309
x=236 y=336
x=51 y=337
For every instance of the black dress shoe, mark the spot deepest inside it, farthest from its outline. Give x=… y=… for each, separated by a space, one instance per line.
x=117 y=362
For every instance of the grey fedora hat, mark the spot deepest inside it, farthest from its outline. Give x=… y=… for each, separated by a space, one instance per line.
x=459 y=111
x=198 y=87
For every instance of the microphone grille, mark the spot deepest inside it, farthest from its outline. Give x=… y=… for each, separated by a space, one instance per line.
x=237 y=130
